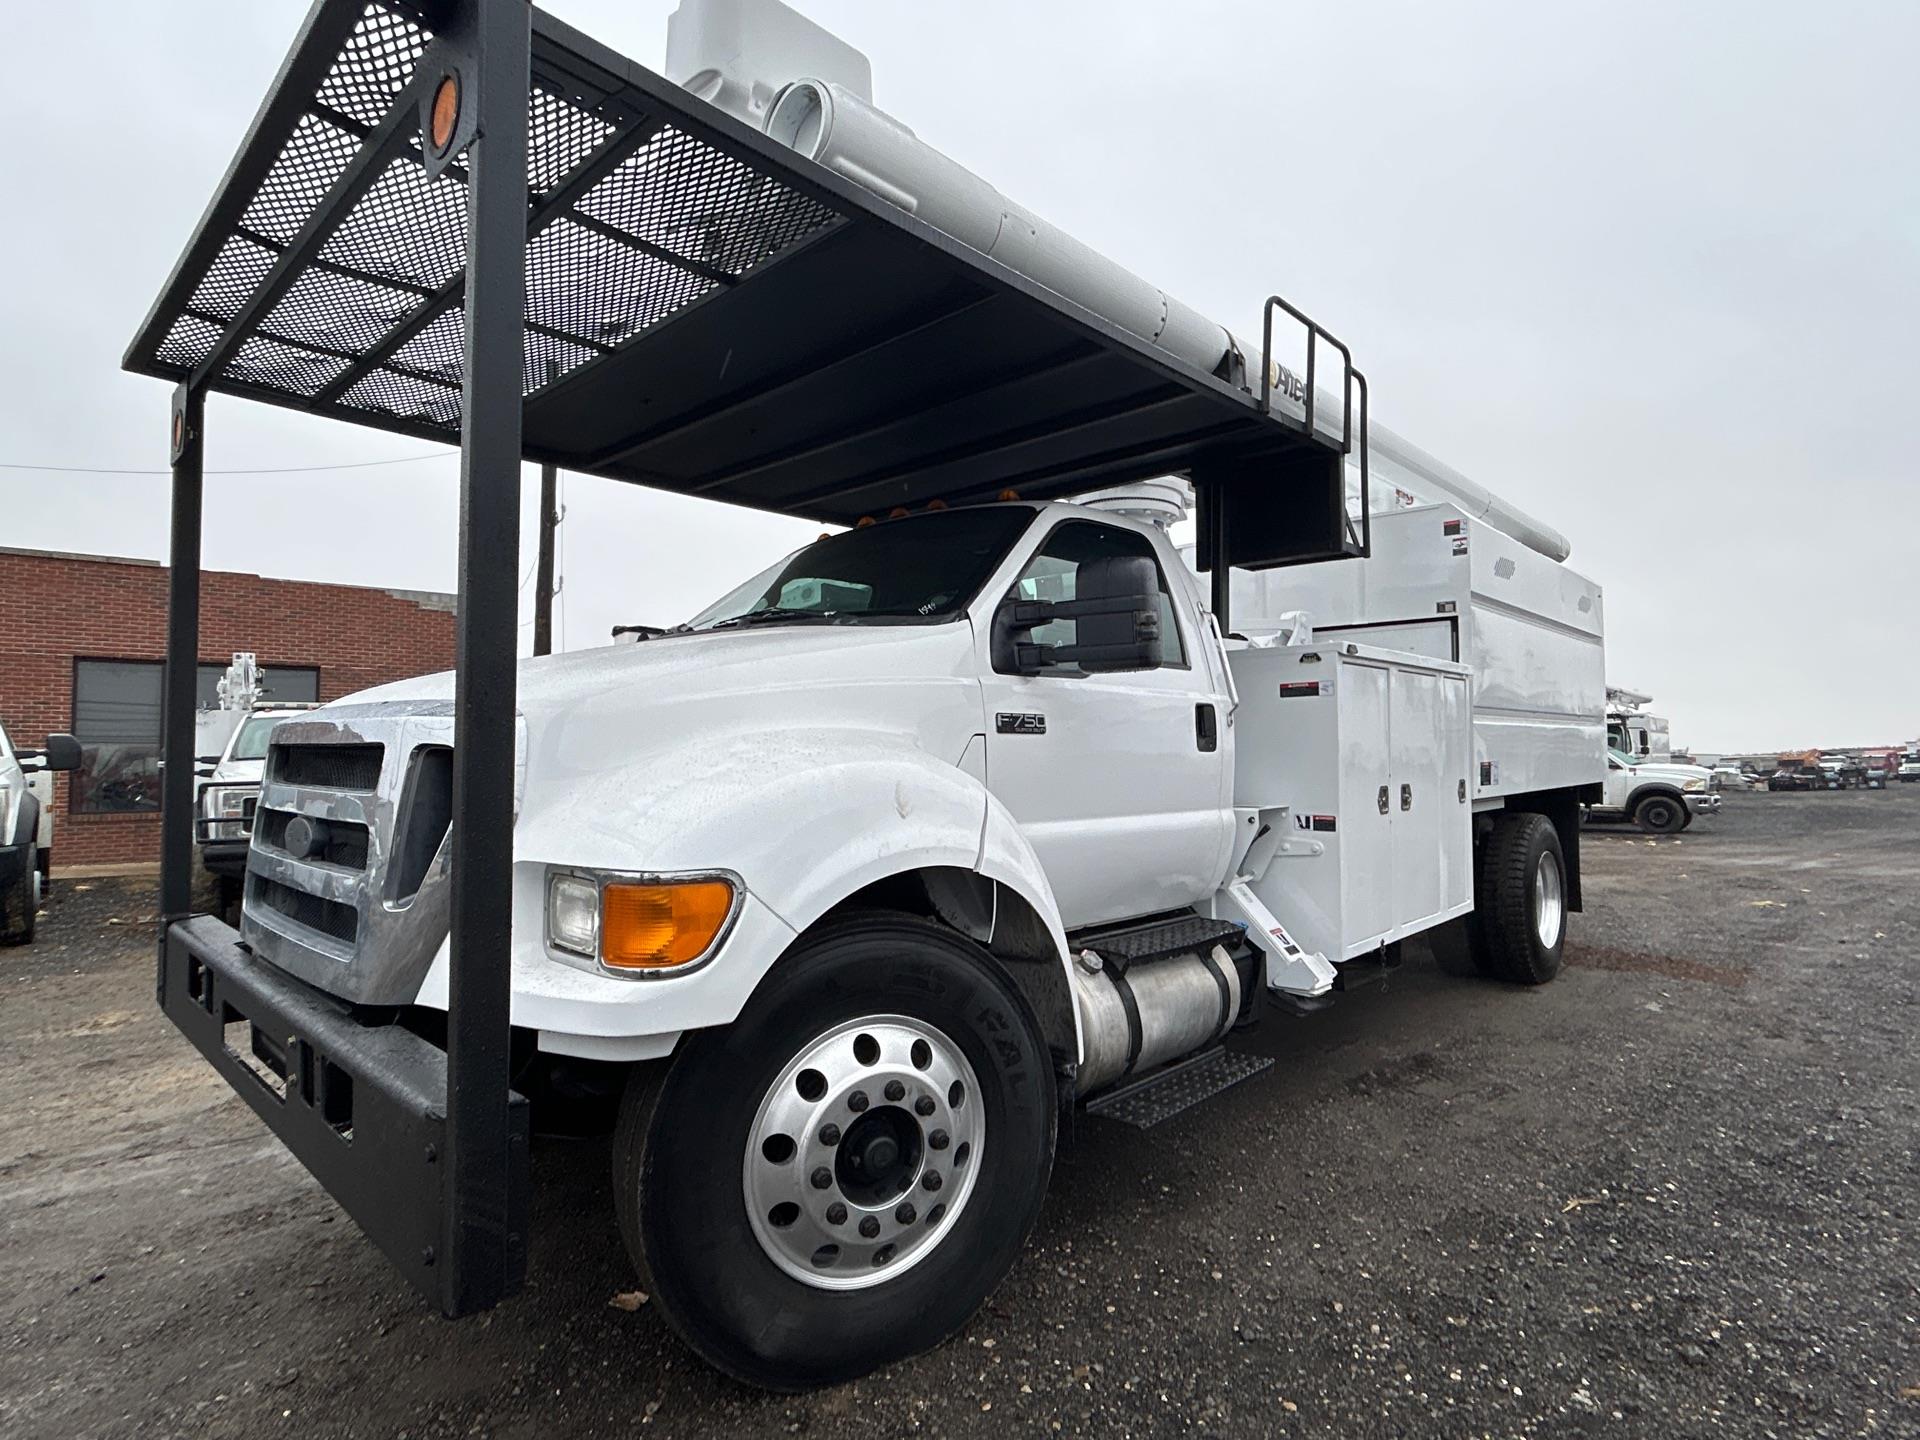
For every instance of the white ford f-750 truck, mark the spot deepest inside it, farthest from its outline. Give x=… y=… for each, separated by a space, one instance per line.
x=939 y=824
x=835 y=898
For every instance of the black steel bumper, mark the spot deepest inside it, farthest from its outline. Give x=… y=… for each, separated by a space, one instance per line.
x=363 y=1106
x=225 y=857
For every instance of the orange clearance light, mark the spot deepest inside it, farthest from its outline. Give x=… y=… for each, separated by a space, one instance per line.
x=863 y=522
x=1009 y=494
x=445 y=114
x=936 y=504
x=652 y=927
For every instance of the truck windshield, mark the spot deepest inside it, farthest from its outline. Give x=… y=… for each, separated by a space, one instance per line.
x=923 y=567
x=251 y=741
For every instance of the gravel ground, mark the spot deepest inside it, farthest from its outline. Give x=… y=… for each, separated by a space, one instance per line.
x=1672 y=1194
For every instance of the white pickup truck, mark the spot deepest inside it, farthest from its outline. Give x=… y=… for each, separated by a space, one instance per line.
x=26 y=829
x=1662 y=798
x=848 y=885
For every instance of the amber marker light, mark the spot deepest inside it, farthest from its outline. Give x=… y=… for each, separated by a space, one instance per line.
x=445 y=113
x=658 y=925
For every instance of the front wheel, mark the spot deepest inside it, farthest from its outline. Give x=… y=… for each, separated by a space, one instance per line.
x=839 y=1178
x=1661 y=815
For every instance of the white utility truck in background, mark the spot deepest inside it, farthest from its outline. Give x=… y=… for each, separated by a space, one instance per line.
x=1633 y=732
x=844 y=891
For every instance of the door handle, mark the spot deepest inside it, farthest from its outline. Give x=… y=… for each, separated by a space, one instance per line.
x=1383 y=799
x=1206 y=726
x=1406 y=797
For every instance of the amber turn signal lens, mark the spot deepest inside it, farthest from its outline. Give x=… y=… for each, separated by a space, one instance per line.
x=651 y=927
x=445 y=114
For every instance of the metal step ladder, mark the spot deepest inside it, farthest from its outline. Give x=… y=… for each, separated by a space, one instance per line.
x=1158 y=1097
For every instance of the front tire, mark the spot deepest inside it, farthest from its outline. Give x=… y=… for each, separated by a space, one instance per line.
x=839 y=1178
x=1661 y=815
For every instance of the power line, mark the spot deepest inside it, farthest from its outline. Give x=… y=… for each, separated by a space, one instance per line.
x=271 y=470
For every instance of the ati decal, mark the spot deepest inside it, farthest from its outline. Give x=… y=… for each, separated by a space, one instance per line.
x=1298 y=689
x=1011 y=724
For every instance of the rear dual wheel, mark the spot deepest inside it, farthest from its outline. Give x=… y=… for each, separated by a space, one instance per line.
x=838 y=1179
x=1517 y=930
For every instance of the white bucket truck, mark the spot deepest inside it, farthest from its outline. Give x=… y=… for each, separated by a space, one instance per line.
x=844 y=891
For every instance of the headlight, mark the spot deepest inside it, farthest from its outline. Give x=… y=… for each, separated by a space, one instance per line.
x=226 y=802
x=640 y=924
x=573 y=914
x=1694 y=785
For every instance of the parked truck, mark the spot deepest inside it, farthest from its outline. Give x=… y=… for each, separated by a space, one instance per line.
x=1635 y=732
x=844 y=893
x=26 y=829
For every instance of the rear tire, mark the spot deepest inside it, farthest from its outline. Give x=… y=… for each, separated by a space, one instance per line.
x=1520 y=901
x=1661 y=815
x=714 y=1135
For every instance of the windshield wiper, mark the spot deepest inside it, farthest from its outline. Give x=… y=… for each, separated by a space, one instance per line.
x=754 y=617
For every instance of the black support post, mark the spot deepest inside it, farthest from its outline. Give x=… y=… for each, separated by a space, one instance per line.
x=183 y=658
x=1210 y=497
x=491 y=42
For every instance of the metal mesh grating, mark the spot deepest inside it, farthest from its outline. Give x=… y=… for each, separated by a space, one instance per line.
x=316 y=156
x=598 y=289
x=188 y=342
x=405 y=228
x=329 y=917
x=327 y=767
x=374 y=66
x=338 y=312
x=686 y=197
x=235 y=275
x=405 y=396
x=439 y=352
x=559 y=137
x=279 y=366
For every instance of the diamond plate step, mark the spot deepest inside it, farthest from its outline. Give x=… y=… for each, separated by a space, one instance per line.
x=1147 y=1102
x=1136 y=944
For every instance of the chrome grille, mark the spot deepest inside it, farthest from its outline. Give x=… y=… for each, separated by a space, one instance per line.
x=360 y=906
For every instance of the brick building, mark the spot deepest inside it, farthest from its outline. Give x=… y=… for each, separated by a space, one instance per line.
x=81 y=647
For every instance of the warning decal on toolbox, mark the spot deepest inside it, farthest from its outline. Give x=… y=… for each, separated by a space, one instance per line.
x=1298 y=689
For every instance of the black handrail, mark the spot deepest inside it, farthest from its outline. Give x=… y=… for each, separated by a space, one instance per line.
x=1350 y=377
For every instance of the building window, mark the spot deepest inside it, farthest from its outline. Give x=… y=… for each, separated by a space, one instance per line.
x=117 y=707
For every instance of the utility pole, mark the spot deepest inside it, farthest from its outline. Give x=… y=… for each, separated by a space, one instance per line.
x=543 y=574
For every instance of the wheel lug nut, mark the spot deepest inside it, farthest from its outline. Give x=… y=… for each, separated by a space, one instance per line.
x=930 y=1180
x=905 y=1213
x=923 y=1106
x=829 y=1134
x=836 y=1214
x=822 y=1177
x=938 y=1139
x=896 y=1091
x=857 y=1101
x=869 y=1227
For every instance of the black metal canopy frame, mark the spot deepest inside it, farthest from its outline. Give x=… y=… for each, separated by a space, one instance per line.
x=465 y=221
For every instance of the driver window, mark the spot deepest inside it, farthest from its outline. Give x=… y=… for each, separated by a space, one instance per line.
x=1054 y=574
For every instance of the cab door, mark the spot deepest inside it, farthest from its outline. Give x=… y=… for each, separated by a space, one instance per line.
x=1119 y=779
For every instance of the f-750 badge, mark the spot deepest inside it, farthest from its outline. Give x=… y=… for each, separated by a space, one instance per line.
x=1008 y=723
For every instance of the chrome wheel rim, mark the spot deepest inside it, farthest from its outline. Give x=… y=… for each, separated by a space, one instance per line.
x=863 y=1153
x=1549 y=900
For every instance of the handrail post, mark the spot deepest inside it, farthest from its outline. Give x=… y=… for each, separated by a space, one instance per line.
x=494 y=49
x=188 y=451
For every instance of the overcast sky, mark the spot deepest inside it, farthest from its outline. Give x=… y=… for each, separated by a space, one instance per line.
x=1651 y=271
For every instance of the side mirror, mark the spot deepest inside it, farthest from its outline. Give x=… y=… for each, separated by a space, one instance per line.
x=1116 y=619
x=61 y=752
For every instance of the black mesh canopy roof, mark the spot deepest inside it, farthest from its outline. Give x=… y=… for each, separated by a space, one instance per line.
x=706 y=312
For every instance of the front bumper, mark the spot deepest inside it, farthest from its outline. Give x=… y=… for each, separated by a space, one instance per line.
x=1706 y=802
x=363 y=1106
x=225 y=857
